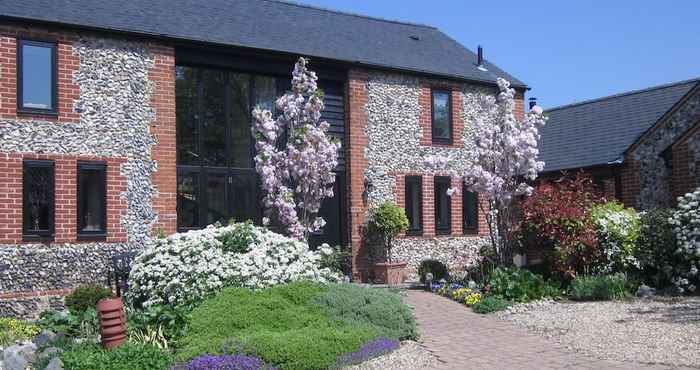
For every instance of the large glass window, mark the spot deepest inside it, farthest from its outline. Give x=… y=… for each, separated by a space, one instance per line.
x=443 y=211
x=414 y=204
x=92 y=198
x=470 y=210
x=442 y=116
x=38 y=198
x=36 y=73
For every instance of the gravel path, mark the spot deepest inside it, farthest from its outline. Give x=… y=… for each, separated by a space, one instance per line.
x=661 y=331
x=410 y=356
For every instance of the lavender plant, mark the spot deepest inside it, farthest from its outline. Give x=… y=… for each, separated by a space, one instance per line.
x=297 y=177
x=370 y=350
x=225 y=362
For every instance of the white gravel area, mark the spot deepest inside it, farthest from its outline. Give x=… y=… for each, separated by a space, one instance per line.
x=410 y=356
x=658 y=331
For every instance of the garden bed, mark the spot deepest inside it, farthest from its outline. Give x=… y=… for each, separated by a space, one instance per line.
x=660 y=330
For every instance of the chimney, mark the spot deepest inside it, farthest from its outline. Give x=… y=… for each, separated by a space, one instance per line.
x=533 y=102
x=480 y=56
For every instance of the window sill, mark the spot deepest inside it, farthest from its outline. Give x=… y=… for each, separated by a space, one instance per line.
x=443 y=232
x=414 y=233
x=471 y=231
x=92 y=237
x=37 y=238
x=37 y=112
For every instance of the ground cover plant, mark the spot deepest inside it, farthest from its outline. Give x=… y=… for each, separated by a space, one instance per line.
x=12 y=330
x=597 y=288
x=294 y=326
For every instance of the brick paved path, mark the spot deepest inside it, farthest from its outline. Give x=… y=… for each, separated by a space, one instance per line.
x=461 y=339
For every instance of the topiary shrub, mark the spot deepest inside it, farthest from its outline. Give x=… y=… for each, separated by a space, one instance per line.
x=86 y=296
x=618 y=231
x=435 y=267
x=656 y=248
x=596 y=288
x=362 y=306
x=389 y=220
x=686 y=226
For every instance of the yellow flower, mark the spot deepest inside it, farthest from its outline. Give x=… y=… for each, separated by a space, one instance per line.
x=472 y=299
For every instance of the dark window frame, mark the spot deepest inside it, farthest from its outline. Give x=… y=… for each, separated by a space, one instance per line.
x=470 y=227
x=53 y=45
x=92 y=166
x=445 y=180
x=450 y=124
x=416 y=180
x=42 y=234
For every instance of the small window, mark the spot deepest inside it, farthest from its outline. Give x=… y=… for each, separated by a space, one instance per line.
x=414 y=205
x=38 y=198
x=443 y=211
x=442 y=116
x=92 y=198
x=470 y=210
x=36 y=76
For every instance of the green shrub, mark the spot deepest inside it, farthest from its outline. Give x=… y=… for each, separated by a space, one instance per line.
x=171 y=321
x=490 y=304
x=340 y=261
x=128 y=356
x=282 y=324
x=597 y=288
x=12 y=330
x=437 y=268
x=362 y=306
x=76 y=325
x=389 y=220
x=521 y=285
x=86 y=296
x=238 y=237
x=656 y=248
x=618 y=230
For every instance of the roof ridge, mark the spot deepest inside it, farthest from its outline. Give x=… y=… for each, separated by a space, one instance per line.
x=329 y=10
x=626 y=93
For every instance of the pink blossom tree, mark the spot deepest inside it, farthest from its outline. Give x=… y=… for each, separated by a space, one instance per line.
x=296 y=175
x=505 y=158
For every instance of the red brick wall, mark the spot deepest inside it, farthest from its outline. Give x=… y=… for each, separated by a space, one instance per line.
x=65 y=185
x=683 y=180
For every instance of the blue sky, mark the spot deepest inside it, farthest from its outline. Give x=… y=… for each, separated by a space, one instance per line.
x=565 y=50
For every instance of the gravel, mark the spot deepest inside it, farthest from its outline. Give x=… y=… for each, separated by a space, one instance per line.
x=659 y=331
x=410 y=356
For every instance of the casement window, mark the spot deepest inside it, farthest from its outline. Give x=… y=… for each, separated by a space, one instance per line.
x=37 y=199
x=414 y=205
x=441 y=116
x=470 y=210
x=92 y=198
x=36 y=77
x=443 y=211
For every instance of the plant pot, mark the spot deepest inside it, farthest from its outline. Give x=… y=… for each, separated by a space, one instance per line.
x=112 y=322
x=391 y=273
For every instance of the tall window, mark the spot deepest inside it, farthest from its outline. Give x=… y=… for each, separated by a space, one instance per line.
x=442 y=116
x=470 y=210
x=36 y=76
x=37 y=198
x=443 y=211
x=414 y=205
x=92 y=198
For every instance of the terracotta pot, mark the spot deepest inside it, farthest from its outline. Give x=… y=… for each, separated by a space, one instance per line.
x=391 y=273
x=112 y=322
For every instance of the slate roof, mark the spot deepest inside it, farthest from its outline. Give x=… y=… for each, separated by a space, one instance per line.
x=599 y=131
x=275 y=26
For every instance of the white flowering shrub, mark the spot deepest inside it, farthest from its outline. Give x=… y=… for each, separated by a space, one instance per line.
x=185 y=267
x=686 y=226
x=618 y=230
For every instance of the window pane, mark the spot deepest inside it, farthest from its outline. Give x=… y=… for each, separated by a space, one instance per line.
x=91 y=200
x=37 y=76
x=441 y=115
x=216 y=198
x=414 y=203
x=213 y=118
x=442 y=204
x=470 y=207
x=38 y=198
x=265 y=93
x=186 y=84
x=188 y=199
x=240 y=121
x=243 y=196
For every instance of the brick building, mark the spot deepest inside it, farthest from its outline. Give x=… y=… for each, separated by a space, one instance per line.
x=642 y=147
x=123 y=119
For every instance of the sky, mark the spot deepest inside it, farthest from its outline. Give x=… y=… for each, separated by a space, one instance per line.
x=565 y=50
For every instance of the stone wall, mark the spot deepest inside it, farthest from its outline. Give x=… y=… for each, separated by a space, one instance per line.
x=107 y=112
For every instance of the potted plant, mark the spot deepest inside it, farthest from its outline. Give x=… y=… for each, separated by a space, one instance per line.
x=389 y=220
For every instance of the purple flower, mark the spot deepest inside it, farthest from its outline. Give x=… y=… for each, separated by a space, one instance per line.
x=370 y=350
x=225 y=362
